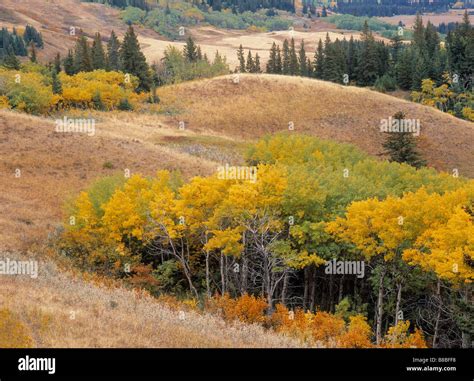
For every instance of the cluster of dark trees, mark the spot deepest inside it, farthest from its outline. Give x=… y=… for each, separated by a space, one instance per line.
x=125 y=56
x=444 y=28
x=14 y=44
x=252 y=65
x=142 y=4
x=368 y=61
x=32 y=35
x=239 y=6
x=382 y=8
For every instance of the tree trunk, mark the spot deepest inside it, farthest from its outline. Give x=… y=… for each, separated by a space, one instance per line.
x=313 y=289
x=208 y=282
x=399 y=301
x=222 y=274
x=341 y=289
x=438 y=316
x=187 y=273
x=284 y=289
x=378 y=334
x=466 y=336
x=305 y=292
x=244 y=275
x=331 y=292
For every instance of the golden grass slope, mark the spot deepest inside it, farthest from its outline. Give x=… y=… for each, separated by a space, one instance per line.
x=59 y=309
x=55 y=166
x=264 y=104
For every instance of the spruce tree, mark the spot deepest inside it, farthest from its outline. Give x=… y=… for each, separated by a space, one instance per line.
x=33 y=57
x=418 y=33
x=294 y=67
x=57 y=63
x=319 y=61
x=56 y=82
x=420 y=69
x=190 y=51
x=241 y=57
x=271 y=63
x=351 y=59
x=250 y=66
x=97 y=53
x=334 y=62
x=401 y=146
x=68 y=63
x=133 y=60
x=113 y=53
x=278 y=63
x=286 y=58
x=368 y=60
x=82 y=55
x=257 y=68
x=404 y=69
x=302 y=60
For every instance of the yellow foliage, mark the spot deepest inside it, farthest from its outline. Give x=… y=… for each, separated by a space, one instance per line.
x=357 y=335
x=399 y=337
x=4 y=102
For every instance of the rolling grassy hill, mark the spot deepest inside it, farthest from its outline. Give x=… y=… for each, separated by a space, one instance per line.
x=266 y=104
x=220 y=118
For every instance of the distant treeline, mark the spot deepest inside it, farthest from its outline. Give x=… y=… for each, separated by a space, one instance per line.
x=382 y=8
x=237 y=6
x=240 y=6
x=13 y=43
x=142 y=4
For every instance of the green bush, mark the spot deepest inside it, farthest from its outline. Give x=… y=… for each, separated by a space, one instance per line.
x=385 y=83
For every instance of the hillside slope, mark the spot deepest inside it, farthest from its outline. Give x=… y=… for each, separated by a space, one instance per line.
x=219 y=118
x=63 y=310
x=264 y=104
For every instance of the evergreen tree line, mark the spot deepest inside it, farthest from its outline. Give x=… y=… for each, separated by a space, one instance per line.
x=142 y=4
x=369 y=62
x=251 y=65
x=125 y=56
x=240 y=6
x=382 y=8
x=15 y=44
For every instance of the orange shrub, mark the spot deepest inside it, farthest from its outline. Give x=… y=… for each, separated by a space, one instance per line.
x=247 y=308
x=326 y=327
x=357 y=335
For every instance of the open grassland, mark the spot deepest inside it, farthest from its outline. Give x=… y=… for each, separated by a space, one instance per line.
x=453 y=15
x=265 y=104
x=59 y=309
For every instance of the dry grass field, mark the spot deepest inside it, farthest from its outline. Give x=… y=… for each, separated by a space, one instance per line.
x=453 y=15
x=59 y=309
x=264 y=104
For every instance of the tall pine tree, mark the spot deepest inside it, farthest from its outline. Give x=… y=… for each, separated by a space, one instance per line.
x=134 y=61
